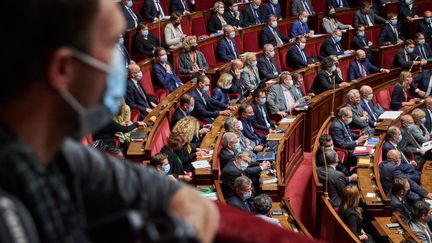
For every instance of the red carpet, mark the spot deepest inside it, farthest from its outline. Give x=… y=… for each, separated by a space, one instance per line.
x=299 y=191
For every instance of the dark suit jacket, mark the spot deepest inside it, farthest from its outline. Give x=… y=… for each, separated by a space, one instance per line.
x=428 y=123
x=206 y=111
x=135 y=100
x=323 y=82
x=177 y=116
x=340 y=137
x=352 y=220
x=328 y=47
x=259 y=121
x=249 y=132
x=266 y=36
x=405 y=165
x=176 y=6
x=426 y=29
x=124 y=53
x=230 y=172
x=401 y=206
x=221 y=95
x=214 y=24
x=404 y=11
x=426 y=51
x=354 y=70
x=361 y=42
x=360 y=18
x=387 y=35
x=147 y=46
x=272 y=9
x=297 y=7
x=397 y=97
x=423 y=80
x=294 y=58
x=129 y=19
x=231 y=19
x=238 y=202
x=299 y=28
x=336 y=184
x=225 y=52
x=408 y=143
x=373 y=110
x=149 y=11
x=248 y=17
x=225 y=157
x=265 y=68
x=163 y=79
x=175 y=162
x=400 y=60
x=334 y=3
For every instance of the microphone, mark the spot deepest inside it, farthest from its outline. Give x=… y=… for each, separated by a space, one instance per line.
x=333 y=96
x=413 y=63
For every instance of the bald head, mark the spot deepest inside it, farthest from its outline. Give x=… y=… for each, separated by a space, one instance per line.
x=360 y=54
x=427 y=14
x=394 y=156
x=428 y=101
x=406 y=120
x=366 y=92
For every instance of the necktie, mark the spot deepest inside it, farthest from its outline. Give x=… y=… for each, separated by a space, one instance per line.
x=134 y=17
x=276 y=36
x=204 y=100
x=368 y=20
x=273 y=67
x=160 y=9
x=339 y=2
x=405 y=160
x=346 y=130
x=264 y=116
x=290 y=101
x=306 y=7
x=363 y=40
x=232 y=48
x=273 y=10
x=257 y=21
x=302 y=54
x=422 y=52
x=362 y=70
x=186 y=8
x=395 y=32
x=338 y=49
x=139 y=88
x=407 y=57
x=371 y=111
x=428 y=91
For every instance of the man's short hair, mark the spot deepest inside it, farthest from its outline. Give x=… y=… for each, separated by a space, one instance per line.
x=331 y=157
x=229 y=123
x=257 y=92
x=267 y=46
x=398 y=185
x=202 y=78
x=344 y=111
x=391 y=15
x=228 y=138
x=158 y=159
x=324 y=138
x=351 y=93
x=158 y=50
x=262 y=204
x=326 y=63
x=419 y=209
x=365 y=4
x=409 y=42
x=185 y=99
x=242 y=109
x=391 y=133
x=242 y=181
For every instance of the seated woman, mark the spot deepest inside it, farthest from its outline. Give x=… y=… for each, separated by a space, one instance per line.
x=217 y=20
x=420 y=133
x=188 y=152
x=192 y=61
x=176 y=140
x=327 y=77
x=160 y=162
x=351 y=213
x=331 y=24
x=220 y=93
x=144 y=42
x=399 y=97
x=250 y=74
x=173 y=32
x=338 y=70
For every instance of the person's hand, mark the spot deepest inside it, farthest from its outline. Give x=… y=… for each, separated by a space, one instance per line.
x=421 y=93
x=225 y=113
x=266 y=165
x=344 y=84
x=197 y=211
x=184 y=36
x=282 y=113
x=362 y=139
x=429 y=195
x=142 y=124
x=311 y=94
x=153 y=104
x=423 y=62
x=370 y=43
x=413 y=162
x=421 y=151
x=311 y=65
x=203 y=131
x=409 y=19
x=132 y=62
x=399 y=41
x=232 y=107
x=208 y=126
x=409 y=103
x=416 y=16
x=271 y=130
x=149 y=110
x=259 y=148
x=353 y=177
x=363 y=237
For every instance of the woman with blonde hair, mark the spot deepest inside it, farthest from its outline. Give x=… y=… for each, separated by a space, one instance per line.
x=176 y=140
x=220 y=93
x=399 y=97
x=250 y=74
x=351 y=213
x=192 y=61
x=419 y=131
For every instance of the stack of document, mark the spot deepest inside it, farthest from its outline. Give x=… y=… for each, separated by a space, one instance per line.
x=390 y=115
x=201 y=164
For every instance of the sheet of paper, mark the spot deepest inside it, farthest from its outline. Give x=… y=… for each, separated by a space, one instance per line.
x=390 y=115
x=370 y=195
x=427 y=146
x=201 y=164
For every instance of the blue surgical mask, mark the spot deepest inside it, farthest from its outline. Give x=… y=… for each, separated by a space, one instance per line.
x=130 y=3
x=399 y=138
x=262 y=101
x=429 y=20
x=247 y=195
x=361 y=33
x=144 y=33
x=139 y=76
x=243 y=165
x=272 y=54
x=423 y=120
x=274 y=24
x=190 y=109
x=164 y=58
x=237 y=146
x=348 y=121
x=304 y=20
x=235 y=8
x=410 y=50
x=166 y=169
x=408 y=2
x=421 y=42
x=302 y=45
x=394 y=22
x=121 y=40
x=411 y=126
x=333 y=68
x=204 y=89
x=369 y=97
x=251 y=118
x=254 y=63
x=240 y=126
x=232 y=35
x=274 y=2
x=338 y=38
x=255 y=6
x=92 y=119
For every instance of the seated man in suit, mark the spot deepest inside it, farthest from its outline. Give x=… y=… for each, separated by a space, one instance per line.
x=406 y=57
x=272 y=8
x=361 y=41
x=226 y=49
x=262 y=119
x=302 y=5
x=163 y=75
x=422 y=84
x=235 y=71
x=327 y=78
x=392 y=139
x=428 y=110
x=262 y=205
x=390 y=34
x=420 y=218
x=280 y=99
x=152 y=10
x=326 y=144
x=337 y=4
x=132 y=18
x=408 y=144
x=362 y=67
x=272 y=34
x=230 y=146
x=398 y=198
x=233 y=16
x=300 y=26
x=297 y=91
x=422 y=49
x=366 y=16
x=336 y=179
x=241 y=166
x=373 y=110
x=252 y=14
x=341 y=133
x=389 y=169
x=206 y=108
x=136 y=97
x=332 y=45
x=297 y=57
x=187 y=104
x=246 y=115
x=267 y=66
x=242 y=194
x=360 y=117
x=182 y=6
x=426 y=25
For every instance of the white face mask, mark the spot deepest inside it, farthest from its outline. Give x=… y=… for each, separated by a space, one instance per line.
x=240 y=126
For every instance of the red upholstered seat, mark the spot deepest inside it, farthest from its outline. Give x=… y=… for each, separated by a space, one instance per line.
x=187 y=30
x=383 y=98
x=208 y=48
x=311 y=50
x=282 y=57
x=198 y=24
x=204 y=5
x=160 y=137
x=388 y=56
x=146 y=81
x=277 y=59
x=134 y=116
x=158 y=30
x=308 y=79
x=342 y=154
x=137 y=6
x=250 y=38
x=344 y=66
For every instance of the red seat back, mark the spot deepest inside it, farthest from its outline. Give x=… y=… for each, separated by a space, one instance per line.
x=137 y=6
x=158 y=30
x=198 y=24
x=134 y=115
x=250 y=38
x=146 y=81
x=283 y=51
x=160 y=137
x=383 y=98
x=388 y=56
x=185 y=25
x=344 y=66
x=87 y=140
x=308 y=78
x=204 y=4
x=208 y=49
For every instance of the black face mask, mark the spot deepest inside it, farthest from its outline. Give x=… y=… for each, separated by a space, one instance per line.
x=332 y=15
x=176 y=25
x=193 y=48
x=362 y=59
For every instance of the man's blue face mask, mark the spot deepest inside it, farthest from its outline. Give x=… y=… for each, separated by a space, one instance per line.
x=94 y=118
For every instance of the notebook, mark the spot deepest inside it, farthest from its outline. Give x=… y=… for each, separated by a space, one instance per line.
x=261 y=156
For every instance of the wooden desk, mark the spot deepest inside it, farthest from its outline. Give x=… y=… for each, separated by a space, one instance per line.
x=288 y=220
x=393 y=235
x=426 y=177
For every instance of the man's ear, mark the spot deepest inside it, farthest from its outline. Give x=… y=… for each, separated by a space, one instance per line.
x=60 y=69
